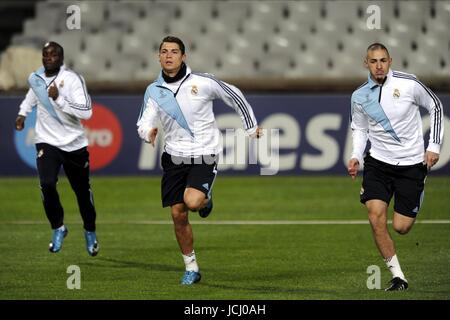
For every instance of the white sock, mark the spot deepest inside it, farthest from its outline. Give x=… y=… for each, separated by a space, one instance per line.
x=62 y=228
x=394 y=266
x=190 y=261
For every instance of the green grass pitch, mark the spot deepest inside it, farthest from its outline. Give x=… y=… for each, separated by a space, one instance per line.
x=140 y=259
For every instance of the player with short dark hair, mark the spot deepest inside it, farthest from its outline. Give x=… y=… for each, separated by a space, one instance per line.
x=385 y=111
x=182 y=101
x=62 y=100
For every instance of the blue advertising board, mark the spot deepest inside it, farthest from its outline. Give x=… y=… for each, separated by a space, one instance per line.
x=309 y=132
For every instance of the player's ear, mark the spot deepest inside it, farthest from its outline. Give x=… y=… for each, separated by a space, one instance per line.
x=366 y=63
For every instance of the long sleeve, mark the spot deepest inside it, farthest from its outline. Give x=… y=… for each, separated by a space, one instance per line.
x=148 y=118
x=78 y=103
x=427 y=99
x=28 y=103
x=360 y=127
x=234 y=98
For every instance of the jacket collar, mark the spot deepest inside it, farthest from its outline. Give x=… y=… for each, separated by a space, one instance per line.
x=373 y=84
x=160 y=80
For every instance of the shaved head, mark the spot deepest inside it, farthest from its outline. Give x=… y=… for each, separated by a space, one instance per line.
x=58 y=48
x=377 y=46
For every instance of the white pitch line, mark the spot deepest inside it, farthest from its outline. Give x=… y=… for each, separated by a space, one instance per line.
x=231 y=222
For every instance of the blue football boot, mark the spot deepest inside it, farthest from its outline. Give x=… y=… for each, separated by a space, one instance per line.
x=191 y=277
x=92 y=245
x=57 y=240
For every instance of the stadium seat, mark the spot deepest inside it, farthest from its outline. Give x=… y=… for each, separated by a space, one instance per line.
x=200 y=62
x=149 y=29
x=203 y=48
x=343 y=13
x=189 y=35
x=341 y=64
x=236 y=66
x=216 y=28
x=193 y=12
x=292 y=30
x=304 y=12
x=36 y=28
x=148 y=69
x=444 y=67
x=274 y=65
x=118 y=70
x=134 y=45
x=420 y=64
x=28 y=41
x=121 y=15
x=88 y=65
x=306 y=65
x=280 y=45
x=53 y=14
x=413 y=12
x=102 y=44
x=231 y=12
x=267 y=12
x=442 y=11
x=246 y=47
x=257 y=31
x=70 y=41
x=430 y=44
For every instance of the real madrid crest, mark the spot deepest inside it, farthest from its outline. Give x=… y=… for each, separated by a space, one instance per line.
x=194 y=90
x=61 y=84
x=396 y=94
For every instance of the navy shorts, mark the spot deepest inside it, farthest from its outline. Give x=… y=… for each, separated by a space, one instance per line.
x=181 y=173
x=383 y=181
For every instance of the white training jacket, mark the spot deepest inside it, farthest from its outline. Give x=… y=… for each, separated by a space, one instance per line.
x=72 y=105
x=388 y=115
x=185 y=109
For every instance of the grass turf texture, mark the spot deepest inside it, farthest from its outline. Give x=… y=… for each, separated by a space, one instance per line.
x=140 y=260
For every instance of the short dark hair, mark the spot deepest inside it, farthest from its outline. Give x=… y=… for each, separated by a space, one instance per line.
x=377 y=46
x=176 y=40
x=59 y=49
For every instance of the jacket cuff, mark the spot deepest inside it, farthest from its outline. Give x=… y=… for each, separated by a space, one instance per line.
x=434 y=147
x=252 y=131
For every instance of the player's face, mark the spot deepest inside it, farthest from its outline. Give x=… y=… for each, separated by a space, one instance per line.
x=378 y=62
x=51 y=59
x=171 y=58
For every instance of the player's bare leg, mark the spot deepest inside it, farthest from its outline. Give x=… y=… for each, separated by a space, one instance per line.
x=194 y=199
x=402 y=224
x=183 y=229
x=197 y=201
x=185 y=238
x=378 y=221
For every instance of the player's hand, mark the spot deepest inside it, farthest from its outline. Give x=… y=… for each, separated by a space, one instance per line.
x=258 y=133
x=20 y=122
x=53 y=91
x=431 y=159
x=152 y=136
x=353 y=166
